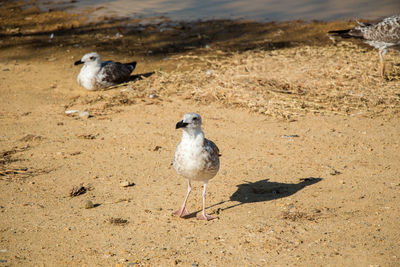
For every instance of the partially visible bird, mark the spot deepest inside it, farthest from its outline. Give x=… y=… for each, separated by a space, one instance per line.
x=96 y=74
x=196 y=159
x=381 y=35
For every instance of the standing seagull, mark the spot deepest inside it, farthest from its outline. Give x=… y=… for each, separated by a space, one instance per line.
x=96 y=74
x=196 y=158
x=381 y=35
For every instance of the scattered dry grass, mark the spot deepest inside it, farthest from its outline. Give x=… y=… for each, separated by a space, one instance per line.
x=118 y=221
x=335 y=79
x=78 y=190
x=6 y=156
x=9 y=172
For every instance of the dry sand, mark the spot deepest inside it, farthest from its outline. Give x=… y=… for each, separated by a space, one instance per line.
x=308 y=131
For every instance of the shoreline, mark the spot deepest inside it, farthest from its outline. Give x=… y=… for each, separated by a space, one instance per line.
x=255 y=11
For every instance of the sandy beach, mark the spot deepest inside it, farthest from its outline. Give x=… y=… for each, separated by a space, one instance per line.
x=308 y=131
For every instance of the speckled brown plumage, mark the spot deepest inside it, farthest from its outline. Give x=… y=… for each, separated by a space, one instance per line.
x=381 y=35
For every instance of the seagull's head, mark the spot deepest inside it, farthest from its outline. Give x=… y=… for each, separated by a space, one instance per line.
x=190 y=121
x=89 y=59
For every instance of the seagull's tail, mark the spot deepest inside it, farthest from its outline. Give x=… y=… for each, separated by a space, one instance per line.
x=131 y=65
x=349 y=33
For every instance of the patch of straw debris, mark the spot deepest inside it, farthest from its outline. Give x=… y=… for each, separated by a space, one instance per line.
x=290 y=82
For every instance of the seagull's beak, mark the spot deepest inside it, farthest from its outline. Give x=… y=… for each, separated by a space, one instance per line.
x=78 y=62
x=181 y=124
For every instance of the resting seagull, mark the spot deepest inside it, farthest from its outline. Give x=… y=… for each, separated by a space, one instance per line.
x=381 y=35
x=196 y=159
x=96 y=74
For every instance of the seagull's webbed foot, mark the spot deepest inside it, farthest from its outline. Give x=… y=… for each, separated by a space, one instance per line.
x=182 y=212
x=206 y=217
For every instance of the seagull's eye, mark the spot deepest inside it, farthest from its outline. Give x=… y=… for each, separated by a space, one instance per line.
x=92 y=58
x=195 y=118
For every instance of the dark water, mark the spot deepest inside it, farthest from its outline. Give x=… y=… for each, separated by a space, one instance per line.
x=262 y=10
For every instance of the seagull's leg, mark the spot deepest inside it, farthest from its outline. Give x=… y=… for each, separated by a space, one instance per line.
x=182 y=212
x=203 y=215
x=381 y=63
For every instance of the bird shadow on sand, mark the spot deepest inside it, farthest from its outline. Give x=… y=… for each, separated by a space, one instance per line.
x=260 y=191
x=138 y=77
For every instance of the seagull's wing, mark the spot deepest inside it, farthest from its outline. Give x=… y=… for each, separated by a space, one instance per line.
x=211 y=147
x=131 y=65
x=213 y=155
x=113 y=73
x=387 y=31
